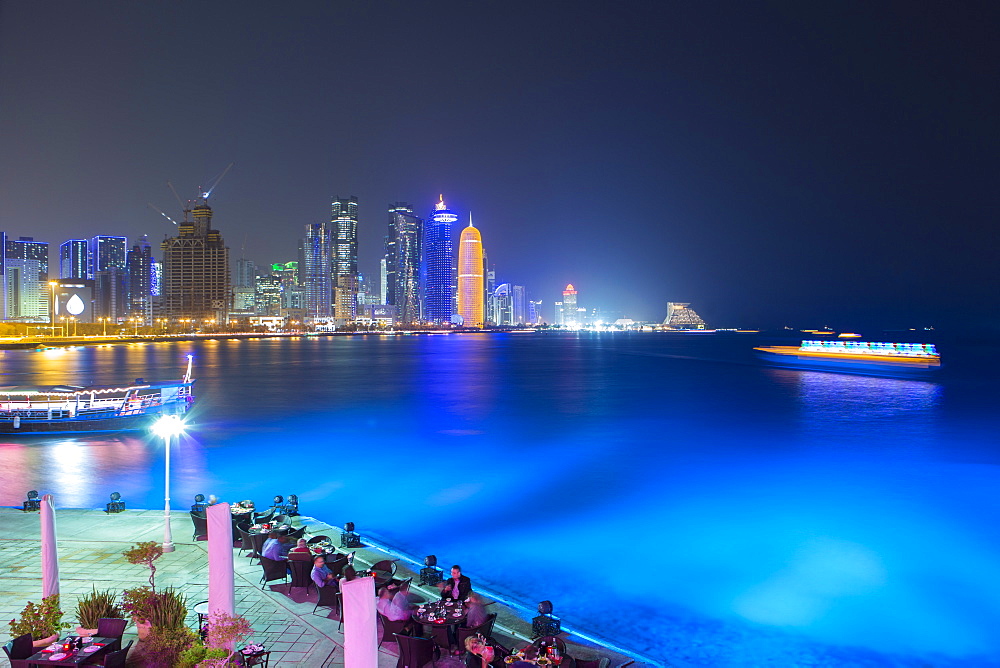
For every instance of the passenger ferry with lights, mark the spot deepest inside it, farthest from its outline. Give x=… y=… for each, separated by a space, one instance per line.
x=861 y=357
x=71 y=409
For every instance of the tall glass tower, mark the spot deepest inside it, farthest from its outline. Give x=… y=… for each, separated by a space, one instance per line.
x=402 y=263
x=317 y=270
x=439 y=265
x=73 y=259
x=344 y=221
x=470 y=277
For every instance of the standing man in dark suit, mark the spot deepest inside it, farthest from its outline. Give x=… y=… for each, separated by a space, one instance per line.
x=457 y=586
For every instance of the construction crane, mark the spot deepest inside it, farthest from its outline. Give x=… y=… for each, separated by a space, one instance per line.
x=156 y=209
x=186 y=206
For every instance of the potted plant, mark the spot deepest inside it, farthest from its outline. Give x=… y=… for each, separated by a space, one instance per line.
x=136 y=603
x=225 y=631
x=42 y=621
x=94 y=606
x=168 y=638
x=145 y=553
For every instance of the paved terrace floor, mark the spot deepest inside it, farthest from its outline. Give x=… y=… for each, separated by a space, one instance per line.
x=90 y=546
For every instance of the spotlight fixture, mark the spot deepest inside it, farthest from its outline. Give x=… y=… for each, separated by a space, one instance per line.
x=116 y=505
x=350 y=538
x=199 y=504
x=431 y=574
x=545 y=624
x=32 y=502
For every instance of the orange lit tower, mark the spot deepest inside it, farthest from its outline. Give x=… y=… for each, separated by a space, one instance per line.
x=470 y=277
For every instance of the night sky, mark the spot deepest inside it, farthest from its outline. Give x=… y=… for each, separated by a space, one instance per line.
x=789 y=163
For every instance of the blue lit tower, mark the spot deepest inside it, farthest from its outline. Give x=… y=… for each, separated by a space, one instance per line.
x=439 y=265
x=73 y=258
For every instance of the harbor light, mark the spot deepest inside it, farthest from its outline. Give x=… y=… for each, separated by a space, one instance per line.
x=166 y=427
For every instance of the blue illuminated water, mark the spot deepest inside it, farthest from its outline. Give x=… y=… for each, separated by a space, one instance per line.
x=715 y=513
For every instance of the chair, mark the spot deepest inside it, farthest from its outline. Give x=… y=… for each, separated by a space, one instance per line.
x=485 y=630
x=329 y=597
x=18 y=650
x=301 y=574
x=297 y=533
x=280 y=519
x=116 y=659
x=244 y=534
x=440 y=636
x=385 y=565
x=111 y=627
x=317 y=539
x=273 y=570
x=260 y=518
x=262 y=658
x=337 y=566
x=257 y=541
x=593 y=663
x=390 y=627
x=414 y=652
x=200 y=523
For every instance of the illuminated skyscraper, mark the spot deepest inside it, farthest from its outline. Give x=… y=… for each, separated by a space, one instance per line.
x=26 y=272
x=344 y=220
x=571 y=316
x=140 y=281
x=402 y=263
x=470 y=277
x=439 y=265
x=73 y=259
x=317 y=270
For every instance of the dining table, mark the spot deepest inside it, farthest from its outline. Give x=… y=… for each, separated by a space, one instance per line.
x=445 y=612
x=53 y=655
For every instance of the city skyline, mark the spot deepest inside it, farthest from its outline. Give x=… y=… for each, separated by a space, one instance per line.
x=770 y=165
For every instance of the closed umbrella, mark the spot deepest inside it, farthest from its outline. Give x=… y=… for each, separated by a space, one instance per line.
x=220 y=559
x=360 y=623
x=50 y=555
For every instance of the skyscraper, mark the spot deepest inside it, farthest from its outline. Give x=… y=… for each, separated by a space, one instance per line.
x=139 y=261
x=317 y=270
x=570 y=315
x=73 y=256
x=470 y=277
x=106 y=252
x=106 y=264
x=196 y=282
x=439 y=265
x=26 y=273
x=344 y=220
x=402 y=263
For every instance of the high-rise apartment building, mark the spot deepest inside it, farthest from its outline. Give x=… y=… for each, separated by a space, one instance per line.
x=316 y=270
x=196 y=281
x=139 y=262
x=439 y=265
x=73 y=259
x=106 y=252
x=470 y=277
x=519 y=305
x=25 y=279
x=107 y=266
x=402 y=263
x=344 y=220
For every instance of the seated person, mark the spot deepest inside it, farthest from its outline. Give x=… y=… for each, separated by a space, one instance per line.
x=273 y=547
x=321 y=575
x=300 y=552
x=458 y=586
x=476 y=612
x=478 y=654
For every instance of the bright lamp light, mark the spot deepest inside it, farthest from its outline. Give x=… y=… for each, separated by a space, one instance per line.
x=169 y=425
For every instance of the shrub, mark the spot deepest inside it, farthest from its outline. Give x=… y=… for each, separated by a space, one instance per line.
x=167 y=609
x=137 y=601
x=41 y=621
x=95 y=605
x=163 y=647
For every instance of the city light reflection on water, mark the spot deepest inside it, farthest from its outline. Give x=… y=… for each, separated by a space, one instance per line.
x=854 y=511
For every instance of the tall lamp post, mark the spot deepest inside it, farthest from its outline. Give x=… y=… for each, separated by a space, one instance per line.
x=52 y=319
x=166 y=427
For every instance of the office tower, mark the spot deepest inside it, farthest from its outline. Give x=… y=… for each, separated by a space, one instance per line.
x=344 y=220
x=317 y=270
x=679 y=316
x=196 y=281
x=534 y=313
x=470 y=277
x=244 y=287
x=73 y=262
x=107 y=266
x=570 y=315
x=139 y=261
x=402 y=263
x=439 y=265
x=383 y=265
x=502 y=302
x=26 y=274
x=268 y=293
x=106 y=252
x=519 y=305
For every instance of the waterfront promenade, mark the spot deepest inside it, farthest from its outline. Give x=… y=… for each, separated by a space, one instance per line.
x=90 y=546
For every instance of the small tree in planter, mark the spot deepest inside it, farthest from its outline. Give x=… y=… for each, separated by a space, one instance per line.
x=225 y=631
x=93 y=606
x=41 y=621
x=145 y=553
x=137 y=602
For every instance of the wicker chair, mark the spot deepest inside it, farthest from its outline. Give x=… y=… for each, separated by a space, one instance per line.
x=301 y=575
x=244 y=534
x=295 y=534
x=390 y=627
x=329 y=597
x=273 y=570
x=200 y=522
x=485 y=630
x=117 y=659
x=260 y=518
x=388 y=565
x=111 y=627
x=414 y=652
x=18 y=650
x=257 y=541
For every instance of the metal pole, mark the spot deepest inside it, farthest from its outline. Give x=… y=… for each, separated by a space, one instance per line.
x=168 y=542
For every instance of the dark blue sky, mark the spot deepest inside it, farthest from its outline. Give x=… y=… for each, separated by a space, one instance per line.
x=772 y=163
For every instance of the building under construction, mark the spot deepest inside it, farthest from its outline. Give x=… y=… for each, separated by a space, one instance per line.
x=680 y=316
x=196 y=270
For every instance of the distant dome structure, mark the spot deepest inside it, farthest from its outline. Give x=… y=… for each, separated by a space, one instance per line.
x=679 y=316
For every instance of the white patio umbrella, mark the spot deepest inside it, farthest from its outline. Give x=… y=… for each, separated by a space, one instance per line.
x=220 y=559
x=360 y=623
x=50 y=555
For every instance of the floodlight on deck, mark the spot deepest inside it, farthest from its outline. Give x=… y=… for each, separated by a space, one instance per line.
x=169 y=425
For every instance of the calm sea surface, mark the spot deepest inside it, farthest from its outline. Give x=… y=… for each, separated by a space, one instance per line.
x=664 y=491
